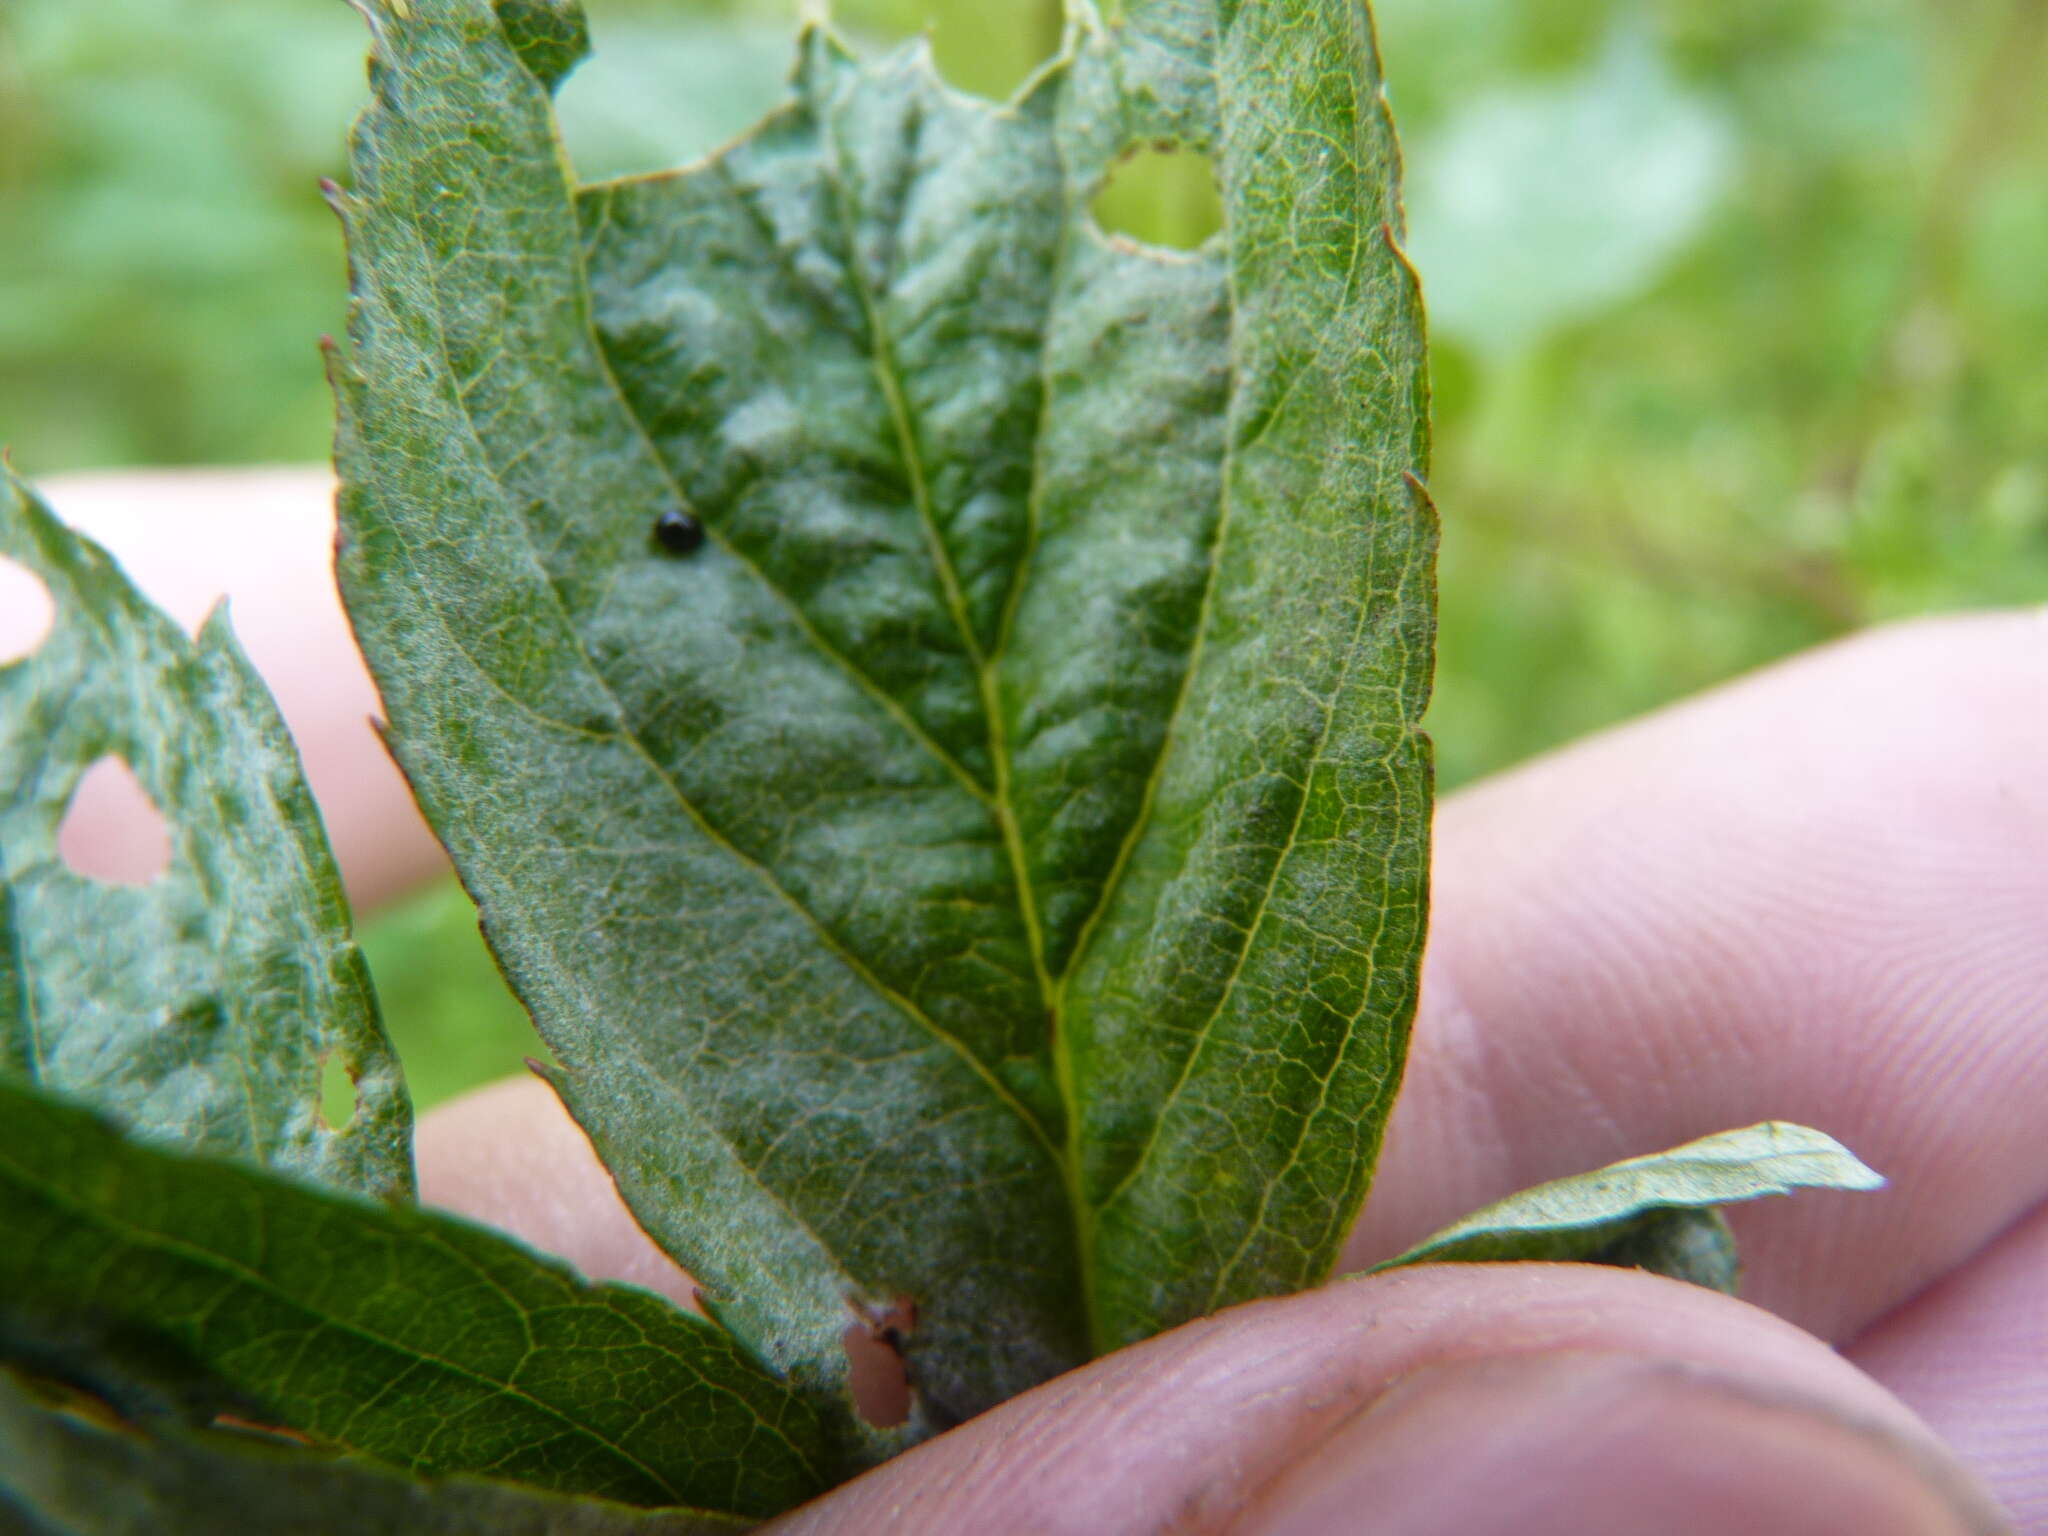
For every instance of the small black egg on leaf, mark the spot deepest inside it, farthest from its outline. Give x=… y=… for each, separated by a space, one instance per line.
x=678 y=532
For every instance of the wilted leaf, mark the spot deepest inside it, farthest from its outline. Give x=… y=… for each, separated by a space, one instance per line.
x=200 y=1009
x=68 y=1471
x=990 y=870
x=1651 y=1212
x=183 y=1285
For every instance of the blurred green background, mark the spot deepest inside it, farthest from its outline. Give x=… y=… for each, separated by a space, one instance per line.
x=1740 y=311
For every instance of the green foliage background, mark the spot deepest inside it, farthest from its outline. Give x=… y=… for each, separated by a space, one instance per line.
x=1740 y=311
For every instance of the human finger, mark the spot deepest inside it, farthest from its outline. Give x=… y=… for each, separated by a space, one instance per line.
x=1971 y=1355
x=1270 y=1417
x=1816 y=895
x=1467 y=1399
x=1819 y=894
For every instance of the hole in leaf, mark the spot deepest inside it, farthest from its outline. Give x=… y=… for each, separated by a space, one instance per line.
x=337 y=1094
x=667 y=85
x=26 y=612
x=112 y=831
x=877 y=1374
x=1162 y=193
x=984 y=49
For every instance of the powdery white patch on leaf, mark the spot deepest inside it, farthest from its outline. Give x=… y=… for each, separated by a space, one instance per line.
x=174 y=945
x=988 y=869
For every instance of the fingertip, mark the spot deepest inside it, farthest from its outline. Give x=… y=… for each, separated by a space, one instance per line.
x=1819 y=893
x=1586 y=1444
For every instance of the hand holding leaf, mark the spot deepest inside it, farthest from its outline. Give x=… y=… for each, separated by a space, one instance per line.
x=925 y=697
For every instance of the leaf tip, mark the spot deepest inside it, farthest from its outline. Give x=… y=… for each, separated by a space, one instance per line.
x=1839 y=1168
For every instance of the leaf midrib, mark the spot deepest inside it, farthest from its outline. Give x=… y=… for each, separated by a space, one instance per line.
x=1052 y=989
x=625 y=731
x=889 y=378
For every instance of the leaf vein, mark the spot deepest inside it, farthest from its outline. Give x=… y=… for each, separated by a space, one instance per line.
x=628 y=737
x=236 y=1274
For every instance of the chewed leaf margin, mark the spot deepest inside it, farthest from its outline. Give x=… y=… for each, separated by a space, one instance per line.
x=202 y=1008
x=988 y=869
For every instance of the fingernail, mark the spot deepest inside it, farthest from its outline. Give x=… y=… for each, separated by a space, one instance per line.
x=1589 y=1444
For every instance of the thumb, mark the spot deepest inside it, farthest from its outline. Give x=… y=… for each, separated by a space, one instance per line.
x=1461 y=1399
x=1593 y=1443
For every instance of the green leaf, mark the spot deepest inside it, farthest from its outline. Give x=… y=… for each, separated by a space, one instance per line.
x=550 y=36
x=991 y=870
x=183 y=1284
x=1654 y=1212
x=201 y=1009
x=67 y=1470
x=1683 y=1242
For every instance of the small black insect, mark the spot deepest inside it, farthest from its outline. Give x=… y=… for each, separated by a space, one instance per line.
x=678 y=532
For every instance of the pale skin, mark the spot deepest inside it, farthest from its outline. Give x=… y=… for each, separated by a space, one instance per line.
x=1818 y=894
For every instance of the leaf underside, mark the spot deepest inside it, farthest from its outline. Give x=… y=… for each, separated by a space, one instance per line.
x=184 y=1289
x=1680 y=1242
x=200 y=1009
x=1655 y=1212
x=990 y=872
